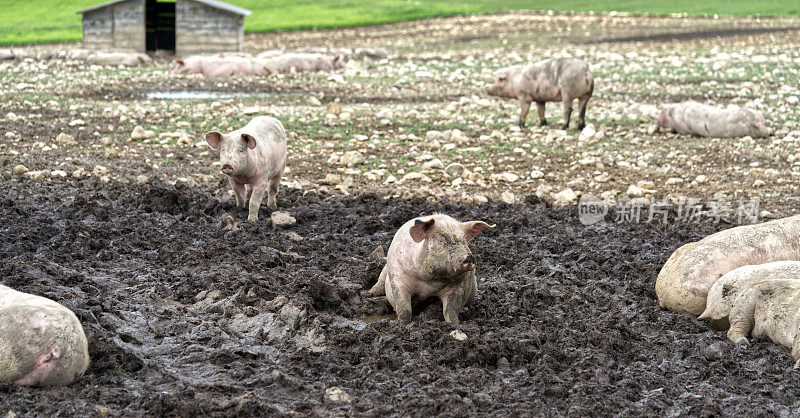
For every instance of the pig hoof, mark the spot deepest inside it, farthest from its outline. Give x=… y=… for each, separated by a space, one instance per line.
x=404 y=318
x=543 y=123
x=252 y=218
x=564 y=127
x=742 y=344
x=521 y=124
x=581 y=126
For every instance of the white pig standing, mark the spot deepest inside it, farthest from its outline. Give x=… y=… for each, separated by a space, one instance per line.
x=253 y=158
x=551 y=80
x=42 y=343
x=429 y=257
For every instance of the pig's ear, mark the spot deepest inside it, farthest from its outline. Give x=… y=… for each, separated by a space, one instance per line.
x=213 y=138
x=473 y=228
x=180 y=62
x=249 y=140
x=421 y=230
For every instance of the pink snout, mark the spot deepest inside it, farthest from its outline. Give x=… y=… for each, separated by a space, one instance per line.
x=227 y=169
x=468 y=264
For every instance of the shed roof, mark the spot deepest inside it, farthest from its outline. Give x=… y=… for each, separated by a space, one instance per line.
x=210 y=3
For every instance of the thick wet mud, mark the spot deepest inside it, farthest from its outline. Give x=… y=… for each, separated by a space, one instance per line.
x=185 y=318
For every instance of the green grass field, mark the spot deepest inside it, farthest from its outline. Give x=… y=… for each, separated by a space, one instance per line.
x=24 y=21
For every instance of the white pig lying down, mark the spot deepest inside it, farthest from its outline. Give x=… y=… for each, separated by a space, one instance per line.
x=552 y=80
x=725 y=291
x=128 y=59
x=253 y=158
x=429 y=257
x=770 y=307
x=688 y=275
x=219 y=65
x=42 y=343
x=704 y=120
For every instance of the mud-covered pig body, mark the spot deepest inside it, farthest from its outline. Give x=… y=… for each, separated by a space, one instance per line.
x=700 y=119
x=42 y=343
x=429 y=257
x=770 y=308
x=686 y=278
x=253 y=158
x=552 y=80
x=727 y=288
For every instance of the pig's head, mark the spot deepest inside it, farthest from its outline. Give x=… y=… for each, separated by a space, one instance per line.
x=233 y=149
x=338 y=62
x=445 y=255
x=502 y=85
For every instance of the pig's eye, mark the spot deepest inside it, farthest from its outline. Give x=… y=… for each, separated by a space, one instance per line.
x=241 y=150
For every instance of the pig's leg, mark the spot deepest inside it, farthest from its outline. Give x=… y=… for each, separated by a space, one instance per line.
x=567 y=104
x=239 y=191
x=741 y=318
x=255 y=202
x=248 y=192
x=582 y=106
x=452 y=302
x=400 y=299
x=540 y=109
x=796 y=351
x=380 y=287
x=525 y=104
x=272 y=193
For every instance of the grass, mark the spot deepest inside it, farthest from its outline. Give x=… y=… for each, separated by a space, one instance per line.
x=41 y=21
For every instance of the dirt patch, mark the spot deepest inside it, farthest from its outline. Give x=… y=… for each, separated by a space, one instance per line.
x=184 y=318
x=695 y=34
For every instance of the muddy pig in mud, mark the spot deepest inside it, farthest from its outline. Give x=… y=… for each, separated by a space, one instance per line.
x=551 y=80
x=253 y=158
x=770 y=308
x=42 y=343
x=429 y=257
x=687 y=276
x=726 y=289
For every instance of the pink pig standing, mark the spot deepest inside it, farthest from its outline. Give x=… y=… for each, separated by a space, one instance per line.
x=429 y=257
x=253 y=158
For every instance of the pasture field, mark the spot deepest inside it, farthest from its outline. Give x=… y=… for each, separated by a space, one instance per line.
x=185 y=318
x=29 y=22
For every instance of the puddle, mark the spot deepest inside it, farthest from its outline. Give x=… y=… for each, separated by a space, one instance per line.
x=376 y=318
x=187 y=95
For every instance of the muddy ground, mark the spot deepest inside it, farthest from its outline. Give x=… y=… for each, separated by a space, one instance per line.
x=185 y=318
x=565 y=321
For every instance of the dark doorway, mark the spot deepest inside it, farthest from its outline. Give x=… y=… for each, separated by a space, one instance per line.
x=160 y=26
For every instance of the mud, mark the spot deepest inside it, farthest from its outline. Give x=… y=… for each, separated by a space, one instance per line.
x=186 y=319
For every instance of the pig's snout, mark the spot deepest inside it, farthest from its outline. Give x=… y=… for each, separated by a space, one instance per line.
x=468 y=264
x=227 y=169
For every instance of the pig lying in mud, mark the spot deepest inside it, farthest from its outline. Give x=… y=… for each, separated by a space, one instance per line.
x=688 y=275
x=551 y=80
x=253 y=158
x=128 y=59
x=770 y=308
x=302 y=62
x=704 y=120
x=217 y=65
x=429 y=257
x=724 y=292
x=42 y=343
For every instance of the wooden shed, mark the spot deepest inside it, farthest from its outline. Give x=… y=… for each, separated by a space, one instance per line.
x=181 y=27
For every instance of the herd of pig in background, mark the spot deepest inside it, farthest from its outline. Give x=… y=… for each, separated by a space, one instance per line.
x=743 y=279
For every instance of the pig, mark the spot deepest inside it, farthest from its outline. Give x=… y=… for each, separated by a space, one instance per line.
x=683 y=283
x=253 y=158
x=42 y=343
x=192 y=64
x=272 y=53
x=301 y=62
x=551 y=80
x=373 y=53
x=726 y=289
x=703 y=120
x=128 y=59
x=770 y=308
x=227 y=66
x=429 y=257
